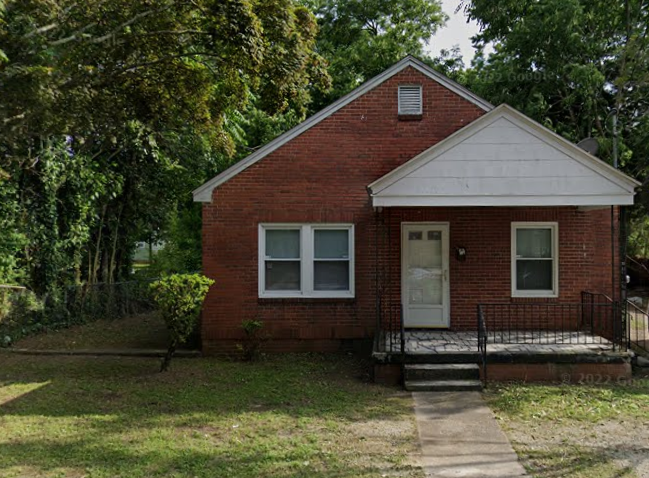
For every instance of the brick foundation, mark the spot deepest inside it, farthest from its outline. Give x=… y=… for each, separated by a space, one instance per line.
x=559 y=372
x=387 y=374
x=390 y=373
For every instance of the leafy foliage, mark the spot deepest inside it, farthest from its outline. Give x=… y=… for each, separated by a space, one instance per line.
x=182 y=244
x=20 y=311
x=572 y=65
x=361 y=39
x=24 y=313
x=113 y=111
x=251 y=347
x=179 y=298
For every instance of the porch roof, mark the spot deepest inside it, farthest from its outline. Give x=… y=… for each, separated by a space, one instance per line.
x=504 y=159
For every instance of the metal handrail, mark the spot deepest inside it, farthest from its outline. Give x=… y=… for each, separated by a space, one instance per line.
x=639 y=339
x=402 y=334
x=482 y=344
x=585 y=322
x=620 y=327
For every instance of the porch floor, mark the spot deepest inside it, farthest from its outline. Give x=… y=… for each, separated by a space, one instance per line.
x=424 y=341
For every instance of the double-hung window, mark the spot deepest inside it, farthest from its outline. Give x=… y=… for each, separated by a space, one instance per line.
x=299 y=260
x=535 y=261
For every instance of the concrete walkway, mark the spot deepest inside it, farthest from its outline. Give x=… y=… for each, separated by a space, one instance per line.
x=460 y=437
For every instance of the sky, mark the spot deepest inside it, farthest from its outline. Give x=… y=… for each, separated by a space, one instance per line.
x=456 y=32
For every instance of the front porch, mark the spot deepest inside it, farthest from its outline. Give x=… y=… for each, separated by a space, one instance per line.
x=433 y=359
x=531 y=342
x=513 y=342
x=484 y=246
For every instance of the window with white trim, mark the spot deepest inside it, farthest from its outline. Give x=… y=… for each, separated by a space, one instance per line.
x=410 y=102
x=535 y=261
x=306 y=260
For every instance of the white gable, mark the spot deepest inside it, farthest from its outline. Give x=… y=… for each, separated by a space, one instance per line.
x=503 y=159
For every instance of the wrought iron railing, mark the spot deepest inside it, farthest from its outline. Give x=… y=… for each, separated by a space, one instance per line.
x=609 y=318
x=637 y=322
x=482 y=344
x=391 y=331
x=402 y=335
x=592 y=321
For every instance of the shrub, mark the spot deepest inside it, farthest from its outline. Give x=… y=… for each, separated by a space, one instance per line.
x=21 y=314
x=254 y=338
x=179 y=298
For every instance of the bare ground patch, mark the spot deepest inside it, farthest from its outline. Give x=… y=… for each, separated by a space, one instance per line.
x=580 y=431
x=579 y=447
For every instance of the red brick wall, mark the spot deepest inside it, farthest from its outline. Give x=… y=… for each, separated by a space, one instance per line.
x=321 y=177
x=485 y=275
x=560 y=372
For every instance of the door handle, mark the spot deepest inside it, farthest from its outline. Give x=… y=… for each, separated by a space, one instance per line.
x=445 y=275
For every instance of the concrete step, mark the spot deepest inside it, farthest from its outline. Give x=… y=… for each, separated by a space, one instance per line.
x=443 y=385
x=442 y=371
x=444 y=357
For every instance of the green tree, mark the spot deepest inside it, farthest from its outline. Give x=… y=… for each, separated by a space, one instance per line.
x=361 y=39
x=571 y=64
x=567 y=63
x=179 y=298
x=113 y=110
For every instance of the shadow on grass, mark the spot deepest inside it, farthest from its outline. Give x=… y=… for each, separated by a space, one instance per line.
x=294 y=385
x=93 y=457
x=285 y=416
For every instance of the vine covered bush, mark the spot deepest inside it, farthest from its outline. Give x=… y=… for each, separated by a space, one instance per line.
x=179 y=298
x=251 y=347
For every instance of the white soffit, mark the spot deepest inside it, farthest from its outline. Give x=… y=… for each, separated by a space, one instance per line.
x=504 y=159
x=204 y=192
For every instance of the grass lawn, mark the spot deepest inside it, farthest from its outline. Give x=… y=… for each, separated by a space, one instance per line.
x=144 y=331
x=589 y=431
x=292 y=416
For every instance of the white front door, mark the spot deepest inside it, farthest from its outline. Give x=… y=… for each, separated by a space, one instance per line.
x=424 y=275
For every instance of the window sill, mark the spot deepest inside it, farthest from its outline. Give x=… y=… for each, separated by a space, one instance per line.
x=306 y=300
x=323 y=295
x=410 y=117
x=520 y=295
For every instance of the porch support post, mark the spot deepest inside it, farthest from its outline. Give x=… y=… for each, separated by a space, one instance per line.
x=377 y=332
x=624 y=322
x=614 y=288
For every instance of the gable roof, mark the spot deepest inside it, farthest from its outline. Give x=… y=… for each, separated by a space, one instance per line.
x=503 y=158
x=204 y=192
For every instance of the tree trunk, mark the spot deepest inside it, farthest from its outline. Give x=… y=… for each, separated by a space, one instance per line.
x=167 y=358
x=111 y=264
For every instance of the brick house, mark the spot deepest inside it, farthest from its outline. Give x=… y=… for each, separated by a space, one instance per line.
x=410 y=197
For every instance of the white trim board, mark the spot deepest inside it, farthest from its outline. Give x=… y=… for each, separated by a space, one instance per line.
x=204 y=192
x=499 y=131
x=588 y=202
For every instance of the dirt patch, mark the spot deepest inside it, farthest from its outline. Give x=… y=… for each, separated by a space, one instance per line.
x=626 y=442
x=370 y=439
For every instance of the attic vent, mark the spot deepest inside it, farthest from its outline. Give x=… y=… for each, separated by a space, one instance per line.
x=410 y=100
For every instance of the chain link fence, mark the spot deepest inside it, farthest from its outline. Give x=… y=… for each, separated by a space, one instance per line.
x=23 y=313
